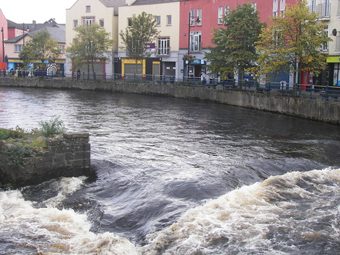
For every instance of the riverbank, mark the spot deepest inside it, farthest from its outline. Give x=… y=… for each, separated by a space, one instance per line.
x=303 y=107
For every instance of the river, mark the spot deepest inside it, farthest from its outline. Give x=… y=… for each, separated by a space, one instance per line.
x=176 y=176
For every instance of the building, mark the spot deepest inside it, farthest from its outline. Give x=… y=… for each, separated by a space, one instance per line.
x=15 y=45
x=86 y=12
x=4 y=36
x=163 y=52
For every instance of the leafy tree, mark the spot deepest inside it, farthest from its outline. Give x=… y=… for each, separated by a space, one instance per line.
x=234 y=48
x=42 y=47
x=292 y=43
x=142 y=30
x=91 y=43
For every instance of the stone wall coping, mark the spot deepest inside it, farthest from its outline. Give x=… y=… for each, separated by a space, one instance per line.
x=69 y=135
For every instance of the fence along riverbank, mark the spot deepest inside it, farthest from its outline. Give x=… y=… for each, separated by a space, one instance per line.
x=295 y=101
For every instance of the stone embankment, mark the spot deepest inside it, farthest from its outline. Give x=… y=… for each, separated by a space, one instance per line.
x=304 y=107
x=67 y=155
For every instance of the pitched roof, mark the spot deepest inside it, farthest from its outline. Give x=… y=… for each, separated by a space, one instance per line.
x=146 y=2
x=57 y=33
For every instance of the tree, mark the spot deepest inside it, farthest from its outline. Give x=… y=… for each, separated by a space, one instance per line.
x=41 y=48
x=292 y=43
x=91 y=43
x=142 y=30
x=234 y=49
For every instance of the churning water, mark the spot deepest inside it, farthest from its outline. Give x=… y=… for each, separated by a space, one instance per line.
x=176 y=176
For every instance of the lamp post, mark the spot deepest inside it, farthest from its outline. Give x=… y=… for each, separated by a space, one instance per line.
x=3 y=45
x=197 y=20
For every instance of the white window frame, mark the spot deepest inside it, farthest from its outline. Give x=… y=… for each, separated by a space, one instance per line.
x=192 y=17
x=17 y=48
x=168 y=20
x=88 y=21
x=61 y=48
x=220 y=15
x=163 y=47
x=199 y=17
x=88 y=8
x=75 y=23
x=158 y=21
x=195 y=41
x=227 y=10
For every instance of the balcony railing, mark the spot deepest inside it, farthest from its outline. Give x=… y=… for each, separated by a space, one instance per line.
x=164 y=51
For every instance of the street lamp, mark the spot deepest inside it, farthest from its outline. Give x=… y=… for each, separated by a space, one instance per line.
x=3 y=45
x=197 y=20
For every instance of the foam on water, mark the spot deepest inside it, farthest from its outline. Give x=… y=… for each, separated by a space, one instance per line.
x=28 y=230
x=285 y=214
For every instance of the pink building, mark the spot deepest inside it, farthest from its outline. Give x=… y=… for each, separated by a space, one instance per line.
x=4 y=36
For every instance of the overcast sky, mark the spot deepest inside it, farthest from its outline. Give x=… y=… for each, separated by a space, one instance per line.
x=25 y=11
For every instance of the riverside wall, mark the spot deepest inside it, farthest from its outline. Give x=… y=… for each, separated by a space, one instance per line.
x=67 y=155
x=315 y=109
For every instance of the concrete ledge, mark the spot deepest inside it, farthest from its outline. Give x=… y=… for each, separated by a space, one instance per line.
x=68 y=155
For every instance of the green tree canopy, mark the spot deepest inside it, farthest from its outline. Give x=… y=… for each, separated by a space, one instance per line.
x=234 y=48
x=41 y=48
x=91 y=43
x=142 y=30
x=293 y=42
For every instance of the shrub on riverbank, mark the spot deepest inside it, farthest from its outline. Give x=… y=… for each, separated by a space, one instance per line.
x=18 y=143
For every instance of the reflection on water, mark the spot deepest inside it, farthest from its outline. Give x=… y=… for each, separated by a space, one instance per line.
x=163 y=161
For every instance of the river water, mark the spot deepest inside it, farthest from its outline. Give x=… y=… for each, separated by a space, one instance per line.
x=176 y=176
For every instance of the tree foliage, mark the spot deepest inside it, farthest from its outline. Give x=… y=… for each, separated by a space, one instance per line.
x=234 y=48
x=41 y=48
x=91 y=43
x=142 y=30
x=292 y=43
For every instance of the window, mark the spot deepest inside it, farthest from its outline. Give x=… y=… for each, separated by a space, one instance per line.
x=101 y=22
x=227 y=10
x=195 y=41
x=324 y=47
x=129 y=22
x=75 y=23
x=275 y=7
x=163 y=46
x=220 y=15
x=199 y=17
x=61 y=48
x=283 y=5
x=88 y=21
x=168 y=20
x=192 y=17
x=88 y=8
x=253 y=5
x=18 y=48
x=158 y=21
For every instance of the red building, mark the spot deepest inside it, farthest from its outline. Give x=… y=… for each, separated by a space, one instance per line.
x=4 y=36
x=203 y=16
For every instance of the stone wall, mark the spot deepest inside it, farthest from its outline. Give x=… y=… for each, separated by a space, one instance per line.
x=67 y=155
x=304 y=107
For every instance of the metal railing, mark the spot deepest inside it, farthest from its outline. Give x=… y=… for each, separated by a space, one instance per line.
x=331 y=93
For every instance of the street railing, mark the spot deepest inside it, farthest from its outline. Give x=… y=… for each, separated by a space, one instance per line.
x=275 y=88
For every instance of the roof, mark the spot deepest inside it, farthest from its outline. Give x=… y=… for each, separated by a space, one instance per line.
x=147 y=2
x=57 y=33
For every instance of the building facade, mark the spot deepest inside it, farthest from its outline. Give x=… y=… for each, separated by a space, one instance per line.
x=4 y=37
x=163 y=52
x=86 y=12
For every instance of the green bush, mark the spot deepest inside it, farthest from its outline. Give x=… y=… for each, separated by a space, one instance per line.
x=54 y=126
x=16 y=153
